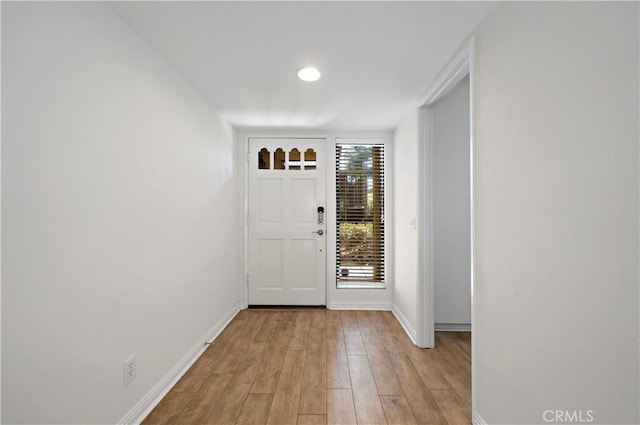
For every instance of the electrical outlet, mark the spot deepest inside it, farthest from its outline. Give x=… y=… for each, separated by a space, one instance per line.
x=129 y=369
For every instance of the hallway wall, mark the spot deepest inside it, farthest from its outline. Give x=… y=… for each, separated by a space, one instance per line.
x=557 y=212
x=405 y=207
x=119 y=218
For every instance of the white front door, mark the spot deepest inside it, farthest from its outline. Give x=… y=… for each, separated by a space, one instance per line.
x=287 y=216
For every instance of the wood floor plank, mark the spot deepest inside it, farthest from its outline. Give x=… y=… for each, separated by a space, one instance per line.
x=385 y=377
x=397 y=338
x=337 y=366
x=383 y=373
x=225 y=339
x=169 y=409
x=340 y=408
x=452 y=343
x=289 y=316
x=386 y=322
x=230 y=360
x=391 y=321
x=392 y=342
x=428 y=368
x=312 y=419
x=268 y=328
x=464 y=394
x=254 y=326
x=286 y=325
x=451 y=407
x=333 y=315
x=379 y=321
x=458 y=380
x=196 y=376
x=218 y=348
x=255 y=409
x=365 y=394
x=300 y=337
x=229 y=405
x=351 y=330
x=422 y=403
x=269 y=369
x=318 y=339
x=456 y=344
x=233 y=357
x=353 y=342
x=454 y=354
x=284 y=409
x=318 y=319
x=200 y=405
x=370 y=337
x=349 y=320
x=271 y=364
x=313 y=398
x=366 y=321
x=266 y=381
x=397 y=410
x=463 y=340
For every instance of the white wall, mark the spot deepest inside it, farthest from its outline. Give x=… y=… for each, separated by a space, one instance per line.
x=405 y=174
x=451 y=207
x=119 y=216
x=557 y=212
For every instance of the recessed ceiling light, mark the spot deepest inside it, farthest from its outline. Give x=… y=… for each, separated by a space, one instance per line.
x=309 y=73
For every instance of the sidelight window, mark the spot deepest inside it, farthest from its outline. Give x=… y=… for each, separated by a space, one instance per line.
x=360 y=246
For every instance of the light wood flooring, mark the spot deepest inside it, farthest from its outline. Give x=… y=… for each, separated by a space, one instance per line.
x=317 y=366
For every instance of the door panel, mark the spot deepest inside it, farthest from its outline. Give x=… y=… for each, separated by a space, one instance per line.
x=304 y=201
x=270 y=202
x=271 y=259
x=304 y=263
x=287 y=245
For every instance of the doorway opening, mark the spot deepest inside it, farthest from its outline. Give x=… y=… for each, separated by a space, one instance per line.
x=451 y=210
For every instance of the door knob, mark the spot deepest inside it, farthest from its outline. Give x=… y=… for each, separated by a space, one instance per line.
x=319 y=232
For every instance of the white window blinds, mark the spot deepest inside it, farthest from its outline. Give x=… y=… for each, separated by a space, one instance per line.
x=360 y=215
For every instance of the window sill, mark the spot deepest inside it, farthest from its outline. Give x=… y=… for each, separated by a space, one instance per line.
x=361 y=285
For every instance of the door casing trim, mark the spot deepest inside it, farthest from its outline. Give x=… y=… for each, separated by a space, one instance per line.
x=245 y=216
x=334 y=299
x=461 y=65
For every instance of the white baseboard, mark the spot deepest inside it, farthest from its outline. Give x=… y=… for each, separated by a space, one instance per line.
x=453 y=327
x=140 y=411
x=476 y=419
x=356 y=305
x=406 y=325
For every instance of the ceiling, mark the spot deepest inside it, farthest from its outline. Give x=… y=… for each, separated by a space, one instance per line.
x=376 y=58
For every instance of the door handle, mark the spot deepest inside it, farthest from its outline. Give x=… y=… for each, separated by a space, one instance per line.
x=320 y=232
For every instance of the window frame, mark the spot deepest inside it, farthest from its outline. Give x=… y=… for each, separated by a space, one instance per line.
x=387 y=184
